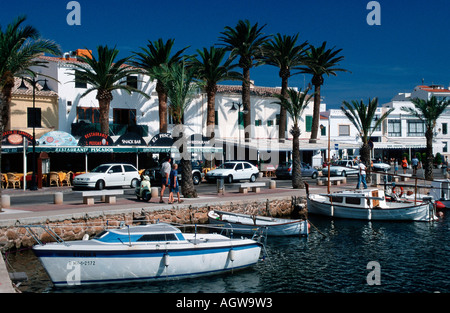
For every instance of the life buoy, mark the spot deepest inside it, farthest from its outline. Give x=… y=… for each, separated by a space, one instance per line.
x=401 y=191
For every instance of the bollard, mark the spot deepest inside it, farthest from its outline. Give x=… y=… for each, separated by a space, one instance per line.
x=58 y=198
x=155 y=192
x=6 y=201
x=220 y=186
x=272 y=184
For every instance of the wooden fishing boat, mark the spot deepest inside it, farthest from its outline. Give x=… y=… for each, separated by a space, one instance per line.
x=247 y=224
x=369 y=204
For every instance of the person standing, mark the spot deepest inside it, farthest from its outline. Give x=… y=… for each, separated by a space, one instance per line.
x=174 y=187
x=165 y=179
x=404 y=164
x=415 y=164
x=362 y=175
x=395 y=167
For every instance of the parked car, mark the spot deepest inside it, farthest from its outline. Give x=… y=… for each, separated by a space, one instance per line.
x=342 y=168
x=284 y=170
x=108 y=175
x=155 y=174
x=233 y=170
x=380 y=166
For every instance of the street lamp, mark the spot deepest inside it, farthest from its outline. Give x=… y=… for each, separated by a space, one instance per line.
x=244 y=111
x=33 y=81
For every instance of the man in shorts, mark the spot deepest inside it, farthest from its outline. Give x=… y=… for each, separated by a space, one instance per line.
x=165 y=180
x=174 y=187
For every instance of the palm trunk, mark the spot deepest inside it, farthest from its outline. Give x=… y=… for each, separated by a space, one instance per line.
x=283 y=115
x=297 y=181
x=211 y=118
x=211 y=113
x=316 y=115
x=429 y=154
x=162 y=102
x=187 y=184
x=104 y=115
x=246 y=103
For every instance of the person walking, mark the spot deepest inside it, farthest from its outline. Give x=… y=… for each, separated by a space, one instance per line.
x=362 y=175
x=395 y=167
x=415 y=164
x=165 y=179
x=174 y=187
x=404 y=164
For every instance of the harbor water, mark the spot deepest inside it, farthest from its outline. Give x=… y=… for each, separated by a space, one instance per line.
x=344 y=256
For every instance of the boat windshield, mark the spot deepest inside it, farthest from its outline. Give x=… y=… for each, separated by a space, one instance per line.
x=227 y=166
x=100 y=169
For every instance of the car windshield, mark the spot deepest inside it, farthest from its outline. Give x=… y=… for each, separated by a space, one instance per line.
x=100 y=169
x=340 y=163
x=227 y=166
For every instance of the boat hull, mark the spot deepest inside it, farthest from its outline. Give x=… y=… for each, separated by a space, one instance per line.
x=69 y=264
x=420 y=212
x=245 y=225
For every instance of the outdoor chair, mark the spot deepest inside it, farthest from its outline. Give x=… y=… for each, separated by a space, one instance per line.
x=54 y=179
x=13 y=180
x=64 y=178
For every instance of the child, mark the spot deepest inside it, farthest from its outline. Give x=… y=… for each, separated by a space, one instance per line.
x=174 y=184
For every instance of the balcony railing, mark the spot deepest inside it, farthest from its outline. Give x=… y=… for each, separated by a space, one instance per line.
x=81 y=128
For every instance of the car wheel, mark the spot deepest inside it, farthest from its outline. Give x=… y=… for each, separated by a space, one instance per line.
x=230 y=179
x=253 y=178
x=147 y=196
x=100 y=184
x=196 y=179
x=134 y=183
x=314 y=175
x=344 y=174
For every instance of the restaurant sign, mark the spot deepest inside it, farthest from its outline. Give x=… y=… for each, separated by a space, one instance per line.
x=95 y=139
x=16 y=138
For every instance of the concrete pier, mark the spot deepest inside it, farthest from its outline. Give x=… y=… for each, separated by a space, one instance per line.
x=6 y=285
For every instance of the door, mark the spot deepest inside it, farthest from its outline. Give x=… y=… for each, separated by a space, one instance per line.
x=239 y=170
x=115 y=176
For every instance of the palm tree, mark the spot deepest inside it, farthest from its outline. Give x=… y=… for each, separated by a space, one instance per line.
x=283 y=52
x=19 y=49
x=295 y=104
x=179 y=83
x=210 y=69
x=105 y=75
x=318 y=62
x=428 y=111
x=246 y=42
x=151 y=59
x=362 y=117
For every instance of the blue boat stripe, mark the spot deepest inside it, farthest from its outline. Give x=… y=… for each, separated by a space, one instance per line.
x=155 y=278
x=137 y=253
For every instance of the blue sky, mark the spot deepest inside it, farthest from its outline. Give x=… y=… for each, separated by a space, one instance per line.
x=411 y=44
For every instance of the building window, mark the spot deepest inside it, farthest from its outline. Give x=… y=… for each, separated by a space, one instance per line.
x=394 y=128
x=308 y=122
x=79 y=81
x=445 y=147
x=258 y=122
x=344 y=130
x=269 y=122
x=241 y=120
x=372 y=125
x=88 y=115
x=444 y=128
x=124 y=116
x=132 y=81
x=33 y=117
x=416 y=128
x=216 y=118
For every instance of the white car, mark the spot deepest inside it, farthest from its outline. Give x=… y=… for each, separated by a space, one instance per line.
x=109 y=175
x=342 y=168
x=380 y=166
x=234 y=170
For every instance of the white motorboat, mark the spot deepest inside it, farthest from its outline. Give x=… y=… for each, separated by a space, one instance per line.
x=248 y=224
x=368 y=204
x=440 y=190
x=144 y=253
